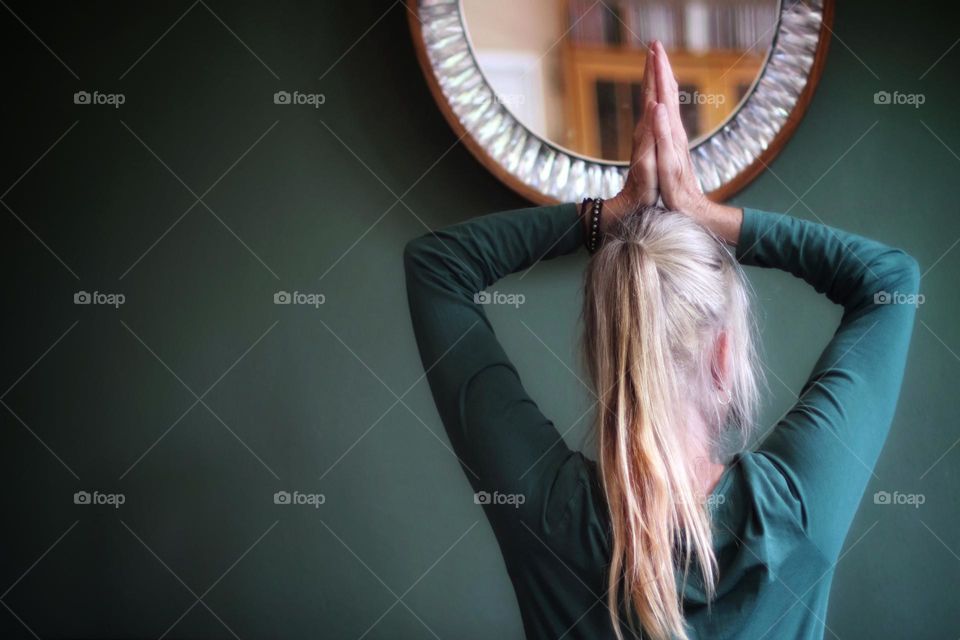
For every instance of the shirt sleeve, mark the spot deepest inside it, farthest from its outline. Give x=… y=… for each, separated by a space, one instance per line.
x=509 y=450
x=827 y=445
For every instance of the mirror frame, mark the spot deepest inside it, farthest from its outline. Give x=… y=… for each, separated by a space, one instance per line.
x=546 y=173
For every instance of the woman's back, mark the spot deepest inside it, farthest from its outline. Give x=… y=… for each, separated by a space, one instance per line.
x=780 y=513
x=774 y=581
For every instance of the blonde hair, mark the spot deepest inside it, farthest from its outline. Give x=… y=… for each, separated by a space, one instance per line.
x=658 y=295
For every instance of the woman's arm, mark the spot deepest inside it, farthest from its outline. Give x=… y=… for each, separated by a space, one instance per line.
x=502 y=439
x=828 y=444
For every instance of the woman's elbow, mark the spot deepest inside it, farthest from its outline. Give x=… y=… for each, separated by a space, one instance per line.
x=416 y=255
x=909 y=270
x=899 y=272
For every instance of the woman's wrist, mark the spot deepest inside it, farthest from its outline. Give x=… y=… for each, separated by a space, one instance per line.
x=613 y=209
x=723 y=220
x=616 y=208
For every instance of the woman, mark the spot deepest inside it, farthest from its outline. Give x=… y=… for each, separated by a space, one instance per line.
x=667 y=534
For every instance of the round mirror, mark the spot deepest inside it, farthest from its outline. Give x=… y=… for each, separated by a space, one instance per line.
x=571 y=70
x=546 y=92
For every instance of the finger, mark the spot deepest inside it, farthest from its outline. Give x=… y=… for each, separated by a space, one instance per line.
x=661 y=125
x=646 y=120
x=669 y=93
x=667 y=160
x=642 y=172
x=644 y=155
x=648 y=97
x=642 y=124
x=666 y=83
x=644 y=127
x=649 y=87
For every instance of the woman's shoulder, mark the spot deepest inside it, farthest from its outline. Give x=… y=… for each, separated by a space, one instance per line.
x=765 y=488
x=761 y=510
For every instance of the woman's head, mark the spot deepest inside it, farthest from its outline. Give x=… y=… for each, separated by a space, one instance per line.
x=668 y=340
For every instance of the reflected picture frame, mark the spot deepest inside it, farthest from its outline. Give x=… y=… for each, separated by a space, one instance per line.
x=545 y=173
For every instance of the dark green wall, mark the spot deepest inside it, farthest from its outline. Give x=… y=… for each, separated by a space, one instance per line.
x=315 y=196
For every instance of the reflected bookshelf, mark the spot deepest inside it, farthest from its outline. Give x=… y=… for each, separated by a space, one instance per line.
x=717 y=50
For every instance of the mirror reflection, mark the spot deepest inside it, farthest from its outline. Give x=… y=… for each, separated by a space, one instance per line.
x=570 y=70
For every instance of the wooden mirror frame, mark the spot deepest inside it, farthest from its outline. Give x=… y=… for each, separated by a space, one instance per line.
x=545 y=173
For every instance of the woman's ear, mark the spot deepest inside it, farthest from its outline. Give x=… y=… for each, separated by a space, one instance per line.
x=720 y=366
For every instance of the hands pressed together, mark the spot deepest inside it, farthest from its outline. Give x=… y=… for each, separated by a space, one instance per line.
x=660 y=163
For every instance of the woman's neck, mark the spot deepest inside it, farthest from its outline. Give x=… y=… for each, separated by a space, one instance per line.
x=699 y=453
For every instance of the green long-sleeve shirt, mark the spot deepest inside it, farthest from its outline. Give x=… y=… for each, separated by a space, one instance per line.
x=781 y=511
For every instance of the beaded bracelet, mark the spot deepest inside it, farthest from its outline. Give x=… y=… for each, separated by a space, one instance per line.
x=593 y=237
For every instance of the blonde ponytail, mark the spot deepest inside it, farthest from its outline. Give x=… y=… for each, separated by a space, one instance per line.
x=657 y=295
